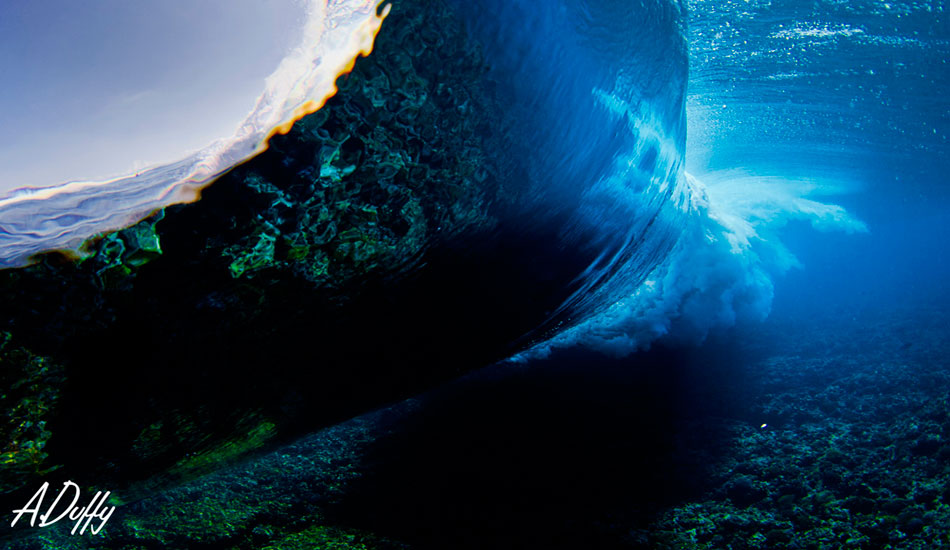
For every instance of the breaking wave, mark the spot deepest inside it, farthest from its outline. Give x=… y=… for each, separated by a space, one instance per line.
x=597 y=92
x=676 y=257
x=34 y=220
x=720 y=270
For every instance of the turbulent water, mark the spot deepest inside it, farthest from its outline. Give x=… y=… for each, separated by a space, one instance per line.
x=790 y=105
x=843 y=98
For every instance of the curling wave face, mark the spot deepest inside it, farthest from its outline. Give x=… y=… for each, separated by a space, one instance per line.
x=678 y=255
x=597 y=92
x=62 y=217
x=594 y=96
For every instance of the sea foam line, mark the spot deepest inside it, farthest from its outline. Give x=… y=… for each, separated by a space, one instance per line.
x=63 y=217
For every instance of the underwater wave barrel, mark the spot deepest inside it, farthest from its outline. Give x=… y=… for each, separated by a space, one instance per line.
x=473 y=188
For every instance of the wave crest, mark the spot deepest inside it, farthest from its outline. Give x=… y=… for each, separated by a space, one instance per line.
x=63 y=217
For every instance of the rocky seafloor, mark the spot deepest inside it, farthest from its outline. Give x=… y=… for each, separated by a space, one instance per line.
x=855 y=451
x=830 y=433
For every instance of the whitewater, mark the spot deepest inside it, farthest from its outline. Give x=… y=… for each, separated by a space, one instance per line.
x=63 y=215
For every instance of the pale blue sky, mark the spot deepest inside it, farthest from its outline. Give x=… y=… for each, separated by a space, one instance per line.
x=96 y=88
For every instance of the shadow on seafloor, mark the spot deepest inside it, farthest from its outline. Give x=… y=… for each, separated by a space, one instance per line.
x=571 y=451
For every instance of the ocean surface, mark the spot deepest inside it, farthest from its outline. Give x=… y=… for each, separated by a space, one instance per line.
x=710 y=262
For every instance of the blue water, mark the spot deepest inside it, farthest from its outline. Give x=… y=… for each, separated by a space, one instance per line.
x=850 y=93
x=842 y=103
x=796 y=114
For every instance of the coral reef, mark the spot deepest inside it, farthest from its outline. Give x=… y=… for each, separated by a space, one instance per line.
x=852 y=454
x=117 y=255
x=370 y=181
x=31 y=386
x=854 y=449
x=279 y=500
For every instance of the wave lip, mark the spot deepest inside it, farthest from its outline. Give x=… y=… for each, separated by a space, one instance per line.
x=63 y=217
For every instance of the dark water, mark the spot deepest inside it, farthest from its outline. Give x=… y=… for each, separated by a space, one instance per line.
x=662 y=450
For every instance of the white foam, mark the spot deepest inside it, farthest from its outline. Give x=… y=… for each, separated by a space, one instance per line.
x=720 y=270
x=63 y=216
